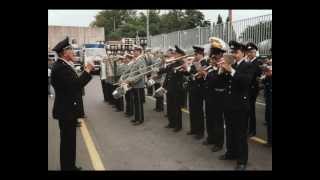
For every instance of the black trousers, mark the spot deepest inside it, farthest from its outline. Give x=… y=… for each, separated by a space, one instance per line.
x=268 y=116
x=252 y=112
x=144 y=96
x=214 y=120
x=109 y=92
x=67 y=143
x=103 y=85
x=129 y=102
x=138 y=104
x=185 y=98
x=196 y=114
x=237 y=134
x=150 y=91
x=174 y=105
x=49 y=91
x=159 y=100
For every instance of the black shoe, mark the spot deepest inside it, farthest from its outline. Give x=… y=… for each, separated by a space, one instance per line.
x=78 y=124
x=137 y=123
x=117 y=110
x=133 y=120
x=190 y=133
x=166 y=115
x=227 y=157
x=198 y=136
x=251 y=134
x=240 y=167
x=206 y=143
x=177 y=129
x=265 y=123
x=216 y=148
x=77 y=168
x=169 y=126
x=127 y=115
x=268 y=145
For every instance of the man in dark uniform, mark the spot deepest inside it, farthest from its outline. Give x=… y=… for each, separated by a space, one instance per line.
x=158 y=80
x=68 y=99
x=149 y=61
x=251 y=50
x=237 y=106
x=215 y=92
x=173 y=85
x=170 y=54
x=196 y=93
x=267 y=81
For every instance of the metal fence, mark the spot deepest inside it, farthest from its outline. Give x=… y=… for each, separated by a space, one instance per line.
x=257 y=30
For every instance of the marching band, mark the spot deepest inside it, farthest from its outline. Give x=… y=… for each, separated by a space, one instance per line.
x=222 y=90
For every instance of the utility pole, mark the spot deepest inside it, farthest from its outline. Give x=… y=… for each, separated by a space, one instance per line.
x=148 y=40
x=230 y=15
x=114 y=24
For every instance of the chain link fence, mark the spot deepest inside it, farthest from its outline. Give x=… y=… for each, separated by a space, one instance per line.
x=257 y=30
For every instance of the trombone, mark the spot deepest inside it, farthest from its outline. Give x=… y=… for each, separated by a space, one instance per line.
x=155 y=65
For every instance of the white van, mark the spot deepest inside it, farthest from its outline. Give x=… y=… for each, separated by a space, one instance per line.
x=94 y=53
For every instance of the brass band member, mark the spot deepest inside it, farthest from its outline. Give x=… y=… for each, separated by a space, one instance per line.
x=251 y=50
x=173 y=85
x=237 y=105
x=196 y=93
x=129 y=94
x=215 y=92
x=120 y=68
x=138 y=85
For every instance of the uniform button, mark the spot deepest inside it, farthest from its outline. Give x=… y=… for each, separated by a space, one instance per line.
x=229 y=80
x=229 y=86
x=229 y=92
x=75 y=103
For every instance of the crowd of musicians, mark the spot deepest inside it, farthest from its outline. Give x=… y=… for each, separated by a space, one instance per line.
x=221 y=87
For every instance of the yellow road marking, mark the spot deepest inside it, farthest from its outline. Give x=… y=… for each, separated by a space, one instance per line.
x=93 y=153
x=256 y=139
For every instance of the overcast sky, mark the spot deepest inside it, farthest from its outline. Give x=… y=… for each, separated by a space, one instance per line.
x=85 y=17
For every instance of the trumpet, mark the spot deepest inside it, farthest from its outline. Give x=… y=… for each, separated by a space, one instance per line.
x=205 y=69
x=181 y=66
x=171 y=61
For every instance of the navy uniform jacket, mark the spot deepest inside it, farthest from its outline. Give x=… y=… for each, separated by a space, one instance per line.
x=215 y=87
x=267 y=86
x=256 y=74
x=174 y=80
x=196 y=83
x=68 y=96
x=237 y=87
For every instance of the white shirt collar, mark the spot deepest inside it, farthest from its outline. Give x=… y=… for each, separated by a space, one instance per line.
x=70 y=63
x=253 y=59
x=240 y=61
